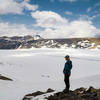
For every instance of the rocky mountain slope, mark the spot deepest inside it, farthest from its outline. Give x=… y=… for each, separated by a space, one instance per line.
x=37 y=41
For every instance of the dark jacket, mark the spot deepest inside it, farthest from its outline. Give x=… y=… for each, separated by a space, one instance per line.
x=67 y=67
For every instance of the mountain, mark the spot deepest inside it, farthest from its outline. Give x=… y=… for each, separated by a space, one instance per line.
x=37 y=41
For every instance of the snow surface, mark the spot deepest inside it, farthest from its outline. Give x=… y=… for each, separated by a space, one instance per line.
x=39 y=69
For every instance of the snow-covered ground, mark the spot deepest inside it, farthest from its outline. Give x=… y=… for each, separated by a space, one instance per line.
x=40 y=69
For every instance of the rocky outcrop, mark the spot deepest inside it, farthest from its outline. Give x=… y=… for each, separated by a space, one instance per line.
x=17 y=41
x=37 y=41
x=78 y=94
x=5 y=78
x=38 y=93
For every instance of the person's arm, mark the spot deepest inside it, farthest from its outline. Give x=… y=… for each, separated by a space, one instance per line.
x=64 y=70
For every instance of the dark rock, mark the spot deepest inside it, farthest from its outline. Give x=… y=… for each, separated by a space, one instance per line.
x=30 y=96
x=80 y=90
x=91 y=90
x=35 y=93
x=49 y=90
x=5 y=78
x=78 y=94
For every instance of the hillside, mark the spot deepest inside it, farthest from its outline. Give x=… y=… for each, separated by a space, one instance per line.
x=37 y=41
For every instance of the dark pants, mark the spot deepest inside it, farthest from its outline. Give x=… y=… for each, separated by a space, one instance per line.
x=66 y=80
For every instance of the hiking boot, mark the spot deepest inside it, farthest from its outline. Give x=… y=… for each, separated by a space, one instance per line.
x=66 y=90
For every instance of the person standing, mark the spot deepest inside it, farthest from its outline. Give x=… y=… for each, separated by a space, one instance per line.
x=67 y=73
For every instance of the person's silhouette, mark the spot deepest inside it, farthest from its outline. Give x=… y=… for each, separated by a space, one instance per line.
x=67 y=72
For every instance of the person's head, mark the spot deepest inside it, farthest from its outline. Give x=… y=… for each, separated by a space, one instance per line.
x=67 y=57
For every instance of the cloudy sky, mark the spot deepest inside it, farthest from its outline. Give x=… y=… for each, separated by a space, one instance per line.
x=50 y=18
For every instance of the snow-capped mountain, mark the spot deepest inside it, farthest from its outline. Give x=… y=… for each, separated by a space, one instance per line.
x=38 y=42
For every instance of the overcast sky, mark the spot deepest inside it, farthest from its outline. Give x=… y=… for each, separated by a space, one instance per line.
x=50 y=18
